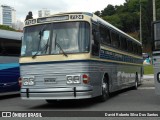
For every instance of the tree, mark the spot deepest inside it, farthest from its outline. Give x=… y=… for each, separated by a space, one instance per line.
x=108 y=11
x=157 y=9
x=133 y=5
x=98 y=13
x=114 y=20
x=147 y=16
x=120 y=9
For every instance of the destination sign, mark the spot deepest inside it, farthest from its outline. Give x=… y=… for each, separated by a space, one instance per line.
x=54 y=18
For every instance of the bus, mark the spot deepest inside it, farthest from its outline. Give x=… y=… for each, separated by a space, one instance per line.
x=10 y=48
x=156 y=55
x=77 y=55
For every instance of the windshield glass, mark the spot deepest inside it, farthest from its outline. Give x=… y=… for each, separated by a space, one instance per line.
x=56 y=38
x=35 y=39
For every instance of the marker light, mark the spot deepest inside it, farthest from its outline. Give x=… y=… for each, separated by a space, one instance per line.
x=20 y=81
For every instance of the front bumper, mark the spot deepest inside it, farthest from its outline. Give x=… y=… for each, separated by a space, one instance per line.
x=57 y=93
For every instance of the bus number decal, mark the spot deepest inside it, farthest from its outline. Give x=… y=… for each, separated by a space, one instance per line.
x=76 y=16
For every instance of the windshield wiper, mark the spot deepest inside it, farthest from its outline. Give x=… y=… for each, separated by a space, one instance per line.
x=46 y=46
x=41 y=34
x=60 y=47
x=42 y=50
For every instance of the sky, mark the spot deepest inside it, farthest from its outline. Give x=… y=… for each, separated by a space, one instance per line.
x=22 y=7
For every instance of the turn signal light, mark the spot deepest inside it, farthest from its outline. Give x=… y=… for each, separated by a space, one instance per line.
x=20 y=81
x=86 y=79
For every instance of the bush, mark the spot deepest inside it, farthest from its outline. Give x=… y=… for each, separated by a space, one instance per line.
x=4 y=27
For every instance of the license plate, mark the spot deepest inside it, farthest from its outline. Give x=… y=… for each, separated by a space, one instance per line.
x=49 y=80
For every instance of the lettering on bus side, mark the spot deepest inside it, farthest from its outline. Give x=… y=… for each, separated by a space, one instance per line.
x=123 y=77
x=105 y=54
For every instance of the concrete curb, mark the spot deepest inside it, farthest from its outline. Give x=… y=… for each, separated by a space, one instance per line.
x=148 y=76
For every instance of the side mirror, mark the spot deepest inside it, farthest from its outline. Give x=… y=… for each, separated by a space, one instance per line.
x=96 y=35
x=95 y=50
x=40 y=33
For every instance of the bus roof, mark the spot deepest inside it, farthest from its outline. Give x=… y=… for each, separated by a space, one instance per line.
x=10 y=35
x=85 y=13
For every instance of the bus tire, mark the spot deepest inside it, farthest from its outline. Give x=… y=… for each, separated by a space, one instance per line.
x=105 y=91
x=136 y=82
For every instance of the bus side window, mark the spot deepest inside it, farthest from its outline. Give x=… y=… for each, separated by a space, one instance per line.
x=123 y=43
x=10 y=47
x=3 y=50
x=135 y=48
x=95 y=40
x=105 y=35
x=139 y=50
x=115 y=39
x=130 y=46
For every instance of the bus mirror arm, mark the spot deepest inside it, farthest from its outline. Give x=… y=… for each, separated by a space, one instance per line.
x=96 y=36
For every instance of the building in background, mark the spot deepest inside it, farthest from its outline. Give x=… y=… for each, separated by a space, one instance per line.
x=7 y=15
x=18 y=25
x=1 y=18
x=43 y=13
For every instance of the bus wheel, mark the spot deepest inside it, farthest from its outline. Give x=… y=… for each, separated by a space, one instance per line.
x=105 y=91
x=136 y=83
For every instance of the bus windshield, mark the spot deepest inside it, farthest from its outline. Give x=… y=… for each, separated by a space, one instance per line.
x=56 y=38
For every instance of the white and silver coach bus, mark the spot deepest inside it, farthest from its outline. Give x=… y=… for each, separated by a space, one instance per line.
x=156 y=55
x=77 y=56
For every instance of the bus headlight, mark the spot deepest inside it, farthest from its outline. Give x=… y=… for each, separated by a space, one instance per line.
x=28 y=81
x=73 y=79
x=76 y=79
x=69 y=80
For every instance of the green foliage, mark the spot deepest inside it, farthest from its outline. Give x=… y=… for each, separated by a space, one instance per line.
x=125 y=17
x=157 y=9
x=109 y=10
x=4 y=27
x=120 y=9
x=98 y=13
x=147 y=18
x=135 y=35
x=114 y=20
x=158 y=13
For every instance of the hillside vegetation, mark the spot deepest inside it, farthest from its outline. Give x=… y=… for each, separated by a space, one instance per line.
x=4 y=27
